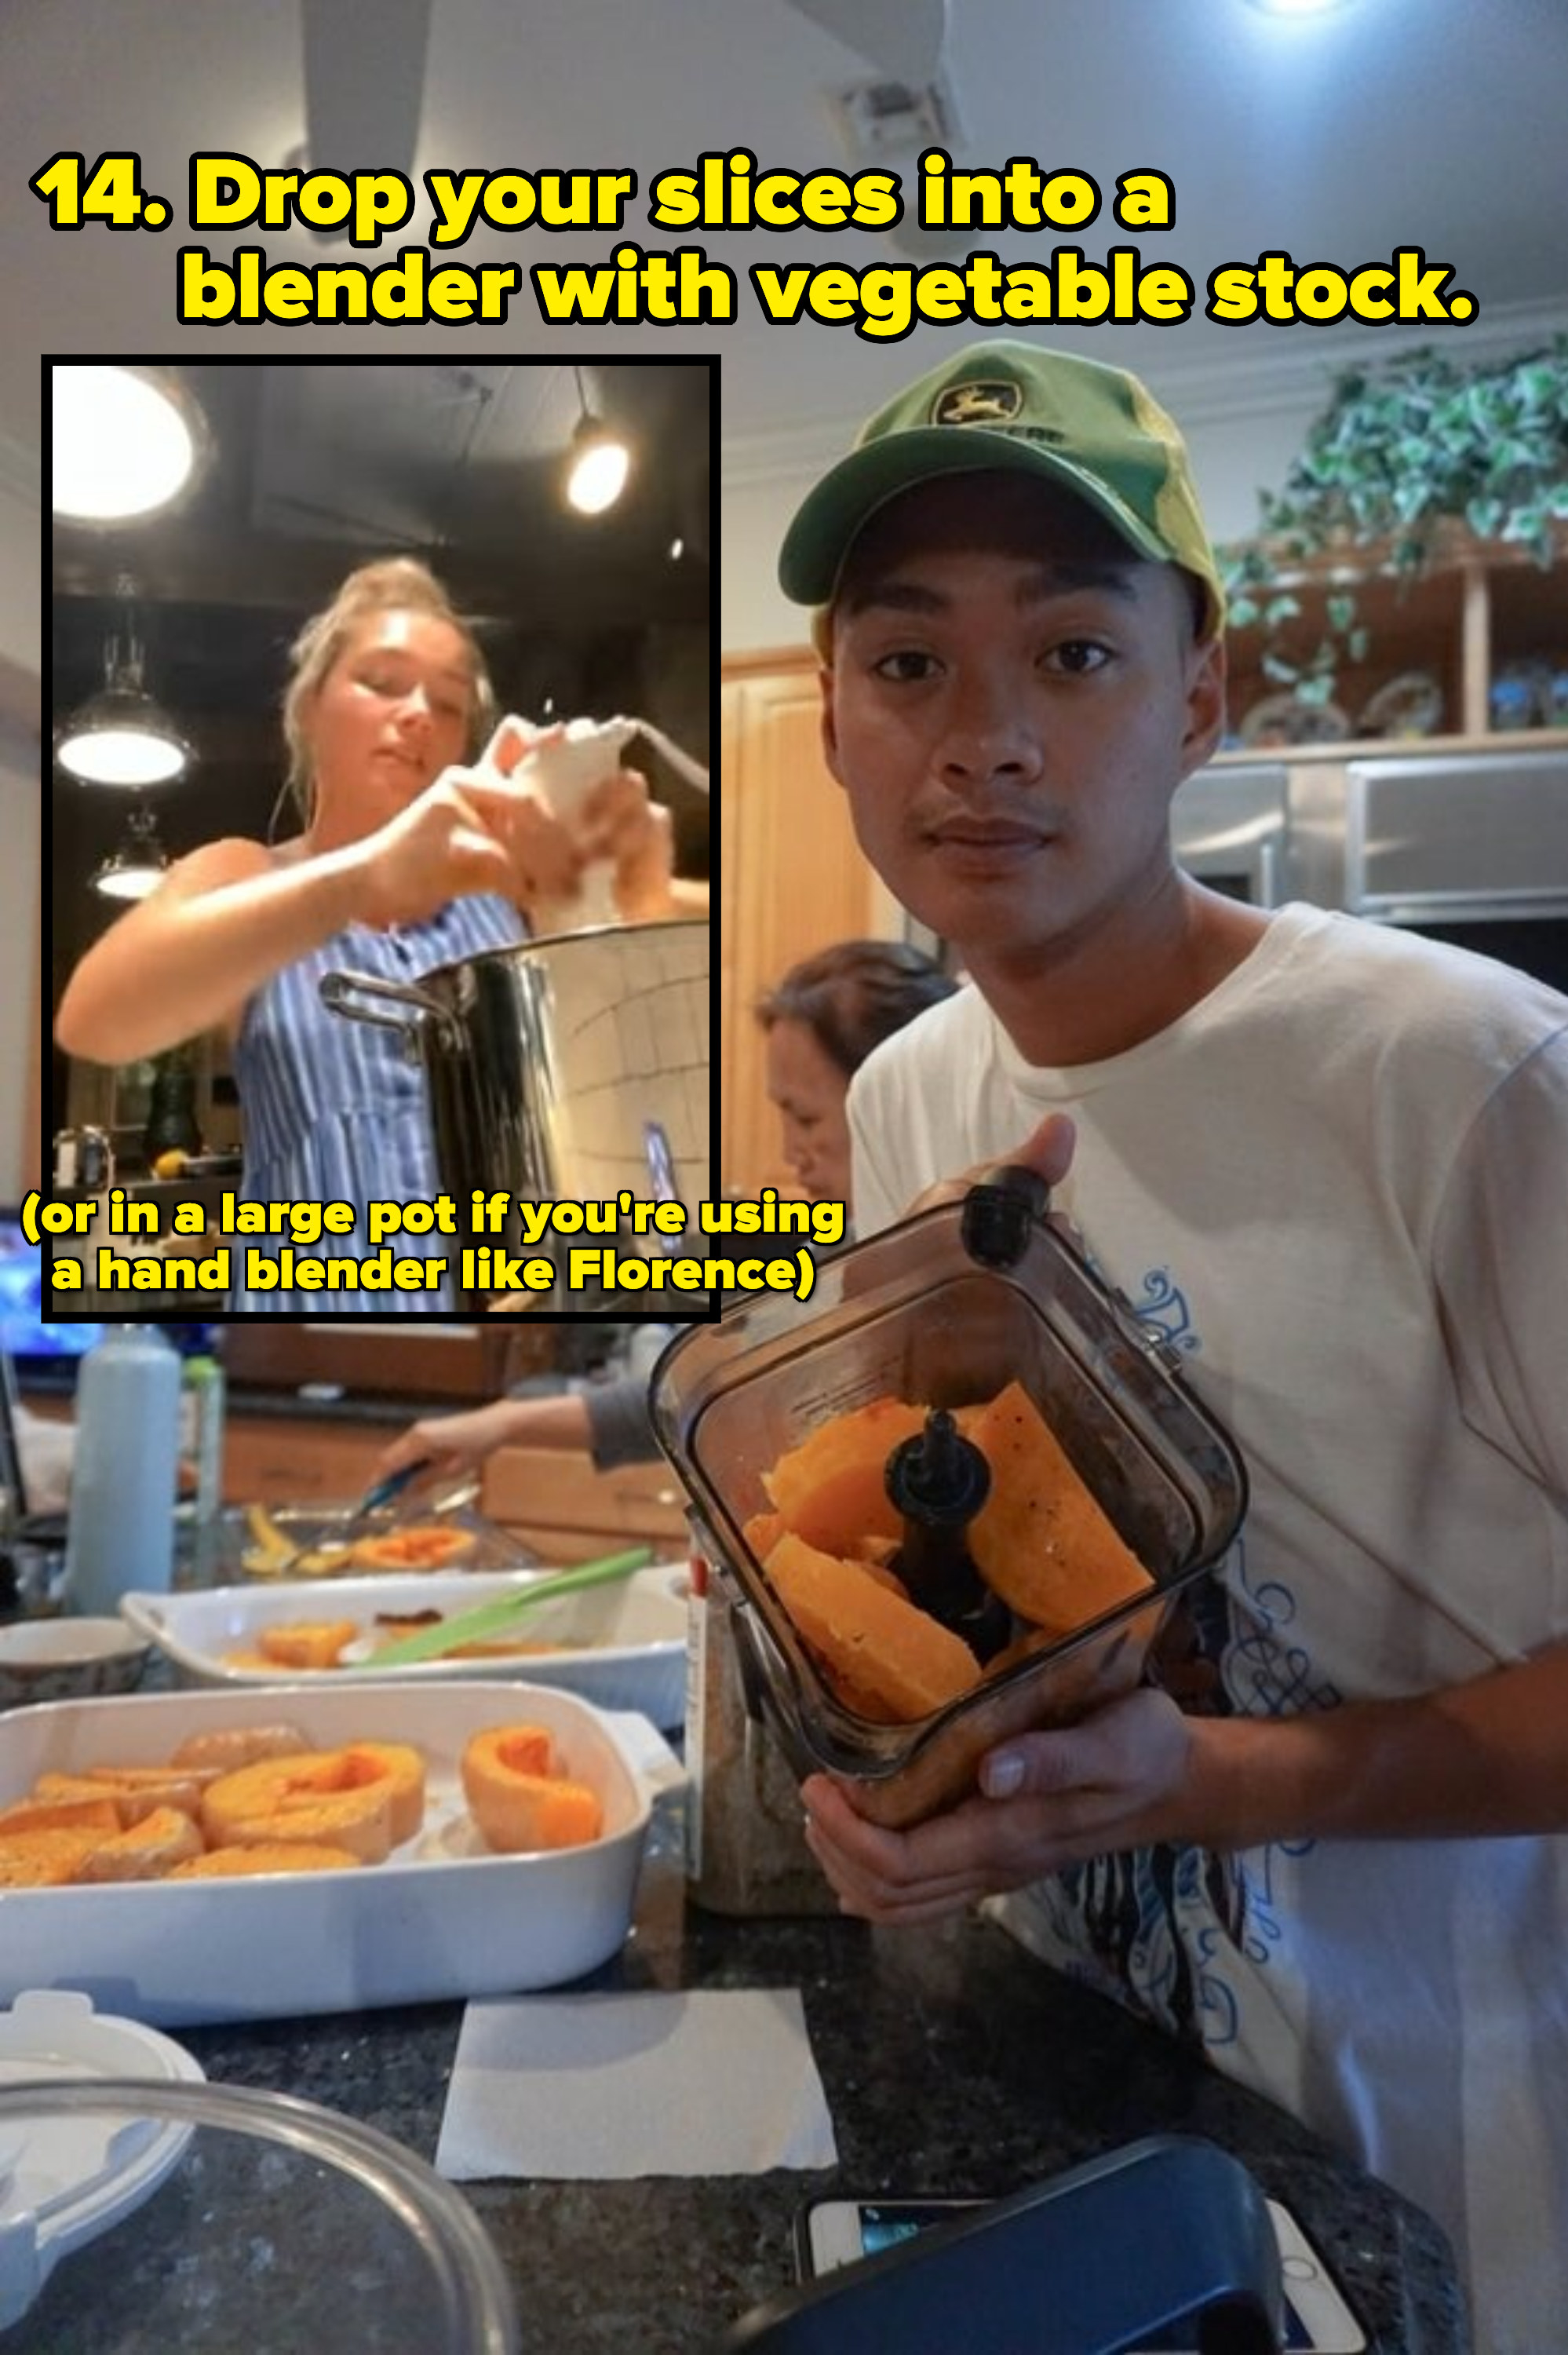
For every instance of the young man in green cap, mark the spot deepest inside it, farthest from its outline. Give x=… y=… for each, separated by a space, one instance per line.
x=1327 y=1161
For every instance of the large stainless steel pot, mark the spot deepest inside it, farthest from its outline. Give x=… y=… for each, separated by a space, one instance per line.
x=564 y=1071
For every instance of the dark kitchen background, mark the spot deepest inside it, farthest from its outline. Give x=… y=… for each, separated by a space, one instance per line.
x=311 y=469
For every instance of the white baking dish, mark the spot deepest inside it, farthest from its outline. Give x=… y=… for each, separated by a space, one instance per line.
x=624 y=1644
x=442 y=1917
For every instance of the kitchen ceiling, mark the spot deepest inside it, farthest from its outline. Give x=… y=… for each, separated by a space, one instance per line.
x=316 y=464
x=1334 y=138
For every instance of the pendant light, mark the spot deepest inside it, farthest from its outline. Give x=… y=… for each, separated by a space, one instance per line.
x=139 y=863
x=120 y=736
x=125 y=441
x=599 y=460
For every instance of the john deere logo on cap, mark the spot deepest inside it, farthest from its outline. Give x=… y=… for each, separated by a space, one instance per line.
x=992 y=400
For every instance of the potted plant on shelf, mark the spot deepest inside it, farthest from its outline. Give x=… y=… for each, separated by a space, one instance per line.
x=1409 y=461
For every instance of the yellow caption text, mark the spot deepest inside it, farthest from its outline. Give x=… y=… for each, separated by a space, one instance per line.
x=283 y=1257
x=724 y=190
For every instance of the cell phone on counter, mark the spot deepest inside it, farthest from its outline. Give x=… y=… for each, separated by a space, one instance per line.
x=1317 y=2321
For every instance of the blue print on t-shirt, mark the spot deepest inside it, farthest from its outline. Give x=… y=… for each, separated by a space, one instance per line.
x=1157 y=1927
x=1162 y=1310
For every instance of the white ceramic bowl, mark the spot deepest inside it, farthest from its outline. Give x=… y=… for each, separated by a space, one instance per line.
x=444 y=1916
x=621 y=1647
x=69 y=1659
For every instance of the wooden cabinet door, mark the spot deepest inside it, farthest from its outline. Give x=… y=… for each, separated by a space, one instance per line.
x=553 y=1499
x=285 y=1460
x=795 y=880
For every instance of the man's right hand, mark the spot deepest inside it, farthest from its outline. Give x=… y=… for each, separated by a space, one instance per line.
x=1047 y=1150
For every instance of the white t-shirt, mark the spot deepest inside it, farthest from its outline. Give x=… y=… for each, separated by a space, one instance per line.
x=1339 y=1186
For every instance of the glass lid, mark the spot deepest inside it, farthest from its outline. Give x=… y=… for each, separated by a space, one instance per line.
x=138 y=2216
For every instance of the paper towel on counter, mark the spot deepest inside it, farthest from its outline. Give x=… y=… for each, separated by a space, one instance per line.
x=718 y=2082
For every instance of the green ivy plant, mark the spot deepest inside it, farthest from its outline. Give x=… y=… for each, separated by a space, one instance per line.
x=1403 y=455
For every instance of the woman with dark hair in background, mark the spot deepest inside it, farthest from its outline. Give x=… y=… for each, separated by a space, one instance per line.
x=823 y=1019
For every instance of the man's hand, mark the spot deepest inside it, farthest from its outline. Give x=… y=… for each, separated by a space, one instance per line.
x=1045 y=1800
x=1047 y=1150
x=1488 y=1758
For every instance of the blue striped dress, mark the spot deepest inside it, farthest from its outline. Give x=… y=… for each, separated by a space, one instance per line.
x=336 y=1110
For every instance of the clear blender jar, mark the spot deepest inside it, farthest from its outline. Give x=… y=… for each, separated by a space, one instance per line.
x=944 y=1310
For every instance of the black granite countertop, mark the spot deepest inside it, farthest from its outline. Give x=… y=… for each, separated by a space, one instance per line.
x=952 y=2063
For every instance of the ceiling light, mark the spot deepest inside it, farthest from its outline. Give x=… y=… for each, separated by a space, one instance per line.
x=1297 y=7
x=138 y=865
x=600 y=465
x=600 y=461
x=120 y=736
x=124 y=442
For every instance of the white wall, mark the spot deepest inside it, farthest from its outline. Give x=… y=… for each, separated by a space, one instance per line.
x=1231 y=456
x=21 y=633
x=20 y=804
x=1244 y=421
x=21 y=801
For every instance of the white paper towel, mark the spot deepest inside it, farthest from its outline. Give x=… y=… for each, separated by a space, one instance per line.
x=704 y=2083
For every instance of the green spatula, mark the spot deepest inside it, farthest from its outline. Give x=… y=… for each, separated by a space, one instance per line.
x=489 y=1620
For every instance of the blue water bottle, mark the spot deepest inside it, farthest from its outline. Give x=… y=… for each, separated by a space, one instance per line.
x=121 y=1532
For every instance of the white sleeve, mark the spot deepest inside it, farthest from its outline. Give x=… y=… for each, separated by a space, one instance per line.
x=877 y=1198
x=1502 y=1265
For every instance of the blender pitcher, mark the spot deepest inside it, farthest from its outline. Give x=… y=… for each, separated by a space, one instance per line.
x=944 y=1311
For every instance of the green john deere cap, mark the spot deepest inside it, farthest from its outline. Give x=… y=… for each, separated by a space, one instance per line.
x=1013 y=406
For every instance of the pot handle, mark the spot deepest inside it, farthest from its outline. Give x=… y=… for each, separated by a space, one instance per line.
x=338 y=991
x=688 y=770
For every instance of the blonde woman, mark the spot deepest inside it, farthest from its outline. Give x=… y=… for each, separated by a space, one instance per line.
x=406 y=858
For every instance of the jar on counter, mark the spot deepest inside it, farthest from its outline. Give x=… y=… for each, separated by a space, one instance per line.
x=746 y=1849
x=202 y=1404
x=83 y=1158
x=121 y=1532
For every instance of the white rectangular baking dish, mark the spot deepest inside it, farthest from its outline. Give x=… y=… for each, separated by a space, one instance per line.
x=442 y=1917
x=624 y=1645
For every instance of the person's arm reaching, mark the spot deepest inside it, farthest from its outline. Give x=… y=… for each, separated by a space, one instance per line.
x=187 y=957
x=610 y=1424
x=458 y=1443
x=620 y=1427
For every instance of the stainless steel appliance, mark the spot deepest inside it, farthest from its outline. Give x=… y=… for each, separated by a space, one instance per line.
x=570 y=1070
x=1231 y=830
x=1466 y=847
